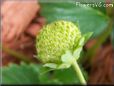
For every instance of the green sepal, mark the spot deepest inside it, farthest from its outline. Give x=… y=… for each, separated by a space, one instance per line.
x=66 y=61
x=87 y=36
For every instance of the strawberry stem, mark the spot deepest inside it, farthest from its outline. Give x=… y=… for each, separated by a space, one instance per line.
x=78 y=72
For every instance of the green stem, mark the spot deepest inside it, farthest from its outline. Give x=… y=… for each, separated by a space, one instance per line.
x=16 y=54
x=78 y=72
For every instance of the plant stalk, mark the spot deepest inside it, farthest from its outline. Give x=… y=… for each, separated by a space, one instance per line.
x=17 y=55
x=78 y=72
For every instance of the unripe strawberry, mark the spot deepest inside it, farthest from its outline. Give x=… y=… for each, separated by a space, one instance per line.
x=54 y=39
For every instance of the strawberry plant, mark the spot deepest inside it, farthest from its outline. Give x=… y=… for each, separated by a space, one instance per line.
x=61 y=46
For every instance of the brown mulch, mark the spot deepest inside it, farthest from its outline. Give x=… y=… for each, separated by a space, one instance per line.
x=102 y=68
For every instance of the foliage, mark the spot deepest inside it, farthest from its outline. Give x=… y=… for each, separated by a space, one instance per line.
x=88 y=18
x=36 y=74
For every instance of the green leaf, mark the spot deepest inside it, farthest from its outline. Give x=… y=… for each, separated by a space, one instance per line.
x=89 y=19
x=43 y=72
x=22 y=74
x=68 y=76
x=36 y=74
x=102 y=9
x=26 y=74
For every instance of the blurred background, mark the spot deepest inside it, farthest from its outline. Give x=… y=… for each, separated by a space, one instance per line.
x=22 y=20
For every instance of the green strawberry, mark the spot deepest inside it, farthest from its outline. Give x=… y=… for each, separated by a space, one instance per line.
x=54 y=39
